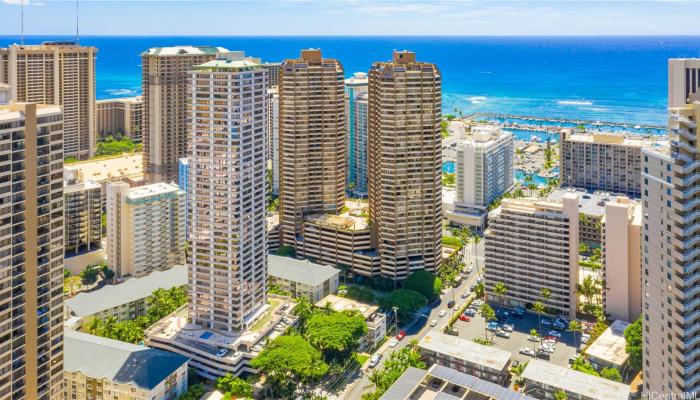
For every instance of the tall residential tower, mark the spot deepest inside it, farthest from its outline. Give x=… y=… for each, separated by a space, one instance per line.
x=405 y=161
x=31 y=252
x=312 y=140
x=61 y=73
x=356 y=141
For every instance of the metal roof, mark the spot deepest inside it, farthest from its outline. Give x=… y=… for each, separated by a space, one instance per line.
x=301 y=271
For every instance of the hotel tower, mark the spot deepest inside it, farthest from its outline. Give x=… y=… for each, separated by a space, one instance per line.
x=228 y=227
x=671 y=246
x=312 y=140
x=31 y=252
x=61 y=73
x=165 y=100
x=405 y=159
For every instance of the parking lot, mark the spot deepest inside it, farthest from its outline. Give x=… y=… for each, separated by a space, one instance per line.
x=565 y=347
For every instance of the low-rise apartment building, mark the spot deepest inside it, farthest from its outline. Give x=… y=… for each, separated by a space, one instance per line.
x=99 y=368
x=302 y=278
x=543 y=379
x=376 y=321
x=124 y=168
x=440 y=382
x=120 y=117
x=82 y=213
x=609 y=349
x=123 y=301
x=484 y=362
x=145 y=228
x=602 y=161
x=533 y=244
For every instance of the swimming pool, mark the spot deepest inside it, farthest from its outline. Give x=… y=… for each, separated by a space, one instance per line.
x=448 y=167
x=537 y=179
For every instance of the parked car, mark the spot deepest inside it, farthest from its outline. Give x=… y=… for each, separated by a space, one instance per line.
x=508 y=327
x=552 y=338
x=433 y=323
x=492 y=326
x=456 y=307
x=503 y=334
x=533 y=338
x=401 y=335
x=546 y=322
x=464 y=295
x=453 y=332
x=554 y=333
x=472 y=288
x=464 y=318
x=469 y=270
x=442 y=313
x=450 y=304
x=393 y=342
x=374 y=360
x=470 y=312
x=221 y=352
x=543 y=355
x=478 y=302
x=527 y=351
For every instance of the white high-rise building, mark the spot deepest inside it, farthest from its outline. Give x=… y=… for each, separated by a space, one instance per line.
x=145 y=228
x=228 y=261
x=273 y=131
x=484 y=171
x=356 y=116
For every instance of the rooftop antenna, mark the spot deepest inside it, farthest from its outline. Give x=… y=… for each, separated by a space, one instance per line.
x=21 y=23
x=77 y=24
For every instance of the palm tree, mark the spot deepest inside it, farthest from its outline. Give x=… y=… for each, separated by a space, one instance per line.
x=534 y=333
x=546 y=295
x=500 y=290
x=575 y=326
x=538 y=307
x=531 y=186
x=375 y=378
x=588 y=289
x=489 y=315
x=479 y=290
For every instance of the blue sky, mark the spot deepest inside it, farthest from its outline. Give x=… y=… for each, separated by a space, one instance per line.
x=354 y=17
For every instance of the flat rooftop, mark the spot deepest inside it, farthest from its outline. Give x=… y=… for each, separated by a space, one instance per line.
x=342 y=304
x=132 y=100
x=110 y=296
x=120 y=362
x=610 y=345
x=300 y=271
x=352 y=219
x=104 y=169
x=567 y=379
x=14 y=111
x=614 y=139
x=183 y=50
x=487 y=356
x=589 y=203
x=155 y=189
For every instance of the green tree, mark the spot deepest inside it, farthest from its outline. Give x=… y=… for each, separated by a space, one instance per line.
x=66 y=274
x=574 y=327
x=304 y=310
x=611 y=373
x=425 y=283
x=535 y=334
x=194 y=392
x=560 y=395
x=500 y=290
x=106 y=273
x=546 y=294
x=89 y=275
x=538 y=307
x=337 y=332
x=407 y=301
x=234 y=386
x=480 y=290
x=289 y=359
x=394 y=366
x=633 y=347
x=489 y=315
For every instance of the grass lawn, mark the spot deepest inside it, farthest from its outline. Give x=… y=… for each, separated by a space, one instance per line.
x=268 y=315
x=361 y=358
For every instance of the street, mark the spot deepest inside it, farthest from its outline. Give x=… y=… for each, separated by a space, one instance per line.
x=474 y=256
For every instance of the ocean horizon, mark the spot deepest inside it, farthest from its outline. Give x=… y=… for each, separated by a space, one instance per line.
x=597 y=78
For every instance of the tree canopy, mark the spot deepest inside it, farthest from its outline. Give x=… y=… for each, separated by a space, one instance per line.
x=234 y=387
x=633 y=337
x=407 y=301
x=290 y=358
x=335 y=332
x=425 y=283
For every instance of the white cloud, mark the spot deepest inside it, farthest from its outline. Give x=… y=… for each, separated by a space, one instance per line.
x=26 y=2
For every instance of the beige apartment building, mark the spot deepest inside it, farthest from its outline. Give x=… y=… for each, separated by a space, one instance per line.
x=99 y=368
x=311 y=140
x=120 y=117
x=405 y=159
x=31 y=252
x=671 y=257
x=123 y=168
x=622 y=265
x=683 y=80
x=165 y=101
x=533 y=244
x=5 y=93
x=145 y=228
x=61 y=73
x=605 y=162
x=82 y=213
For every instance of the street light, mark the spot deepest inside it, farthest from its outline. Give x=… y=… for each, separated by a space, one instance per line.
x=396 y=320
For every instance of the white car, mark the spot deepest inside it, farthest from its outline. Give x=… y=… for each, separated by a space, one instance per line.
x=464 y=295
x=374 y=360
x=393 y=342
x=469 y=270
x=456 y=307
x=433 y=323
x=556 y=334
x=442 y=313
x=527 y=351
x=533 y=338
x=507 y=327
x=221 y=352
